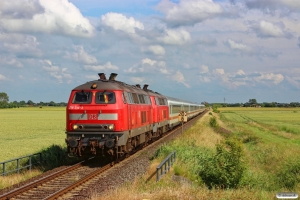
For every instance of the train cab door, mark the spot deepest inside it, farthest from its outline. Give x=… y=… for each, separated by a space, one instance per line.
x=129 y=117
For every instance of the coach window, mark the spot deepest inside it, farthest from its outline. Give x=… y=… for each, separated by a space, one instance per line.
x=105 y=97
x=82 y=97
x=176 y=109
x=186 y=108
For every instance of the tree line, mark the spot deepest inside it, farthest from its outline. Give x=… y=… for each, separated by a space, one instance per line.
x=4 y=103
x=254 y=103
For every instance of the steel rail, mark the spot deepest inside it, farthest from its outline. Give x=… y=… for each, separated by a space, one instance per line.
x=78 y=183
x=34 y=184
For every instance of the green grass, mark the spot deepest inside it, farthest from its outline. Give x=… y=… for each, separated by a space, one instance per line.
x=274 y=156
x=270 y=139
x=29 y=130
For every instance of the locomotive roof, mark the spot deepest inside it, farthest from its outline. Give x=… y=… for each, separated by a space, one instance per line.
x=116 y=85
x=180 y=100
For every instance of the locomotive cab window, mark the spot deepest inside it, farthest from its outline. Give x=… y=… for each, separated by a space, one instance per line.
x=105 y=97
x=141 y=98
x=82 y=97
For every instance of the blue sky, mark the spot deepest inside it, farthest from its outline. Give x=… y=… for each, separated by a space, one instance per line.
x=197 y=50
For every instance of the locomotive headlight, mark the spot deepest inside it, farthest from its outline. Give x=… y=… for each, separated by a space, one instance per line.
x=75 y=127
x=111 y=127
x=94 y=86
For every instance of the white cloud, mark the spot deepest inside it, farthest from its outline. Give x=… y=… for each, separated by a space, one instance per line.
x=137 y=80
x=25 y=9
x=92 y=77
x=157 y=50
x=148 y=61
x=149 y=66
x=270 y=77
x=268 y=29
x=178 y=77
x=97 y=68
x=236 y=79
x=14 y=62
x=2 y=78
x=219 y=71
x=55 y=16
x=120 y=22
x=204 y=69
x=204 y=79
x=60 y=74
x=22 y=44
x=237 y=46
x=175 y=37
x=295 y=81
x=240 y=74
x=10 y=61
x=189 y=12
x=81 y=56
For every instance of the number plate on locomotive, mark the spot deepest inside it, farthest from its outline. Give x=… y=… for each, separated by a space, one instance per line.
x=92 y=116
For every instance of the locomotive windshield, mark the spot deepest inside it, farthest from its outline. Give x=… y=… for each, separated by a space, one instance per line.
x=105 y=97
x=82 y=97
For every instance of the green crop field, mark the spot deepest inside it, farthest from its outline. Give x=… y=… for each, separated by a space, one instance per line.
x=272 y=139
x=28 y=130
x=281 y=125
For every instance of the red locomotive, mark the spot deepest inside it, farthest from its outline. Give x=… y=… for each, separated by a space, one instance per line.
x=109 y=117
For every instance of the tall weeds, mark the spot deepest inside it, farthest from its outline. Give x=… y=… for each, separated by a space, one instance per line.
x=225 y=168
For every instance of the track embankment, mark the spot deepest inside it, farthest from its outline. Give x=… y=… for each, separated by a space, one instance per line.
x=87 y=179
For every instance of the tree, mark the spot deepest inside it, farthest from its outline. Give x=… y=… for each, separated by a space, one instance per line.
x=252 y=101
x=4 y=97
x=52 y=103
x=22 y=103
x=3 y=100
x=29 y=102
x=206 y=104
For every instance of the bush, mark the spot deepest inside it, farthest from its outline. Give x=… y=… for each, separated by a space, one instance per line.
x=213 y=122
x=215 y=107
x=178 y=170
x=225 y=168
x=55 y=156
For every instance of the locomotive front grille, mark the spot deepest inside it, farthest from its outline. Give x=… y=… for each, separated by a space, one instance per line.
x=93 y=127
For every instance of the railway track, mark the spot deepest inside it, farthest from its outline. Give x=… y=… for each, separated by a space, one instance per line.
x=65 y=183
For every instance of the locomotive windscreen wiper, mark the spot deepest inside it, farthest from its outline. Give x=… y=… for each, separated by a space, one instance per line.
x=99 y=95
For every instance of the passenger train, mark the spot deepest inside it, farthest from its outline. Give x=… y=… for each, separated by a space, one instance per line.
x=111 y=118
